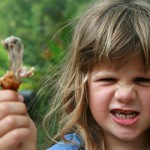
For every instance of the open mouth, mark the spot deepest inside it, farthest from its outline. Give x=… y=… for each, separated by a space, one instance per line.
x=125 y=117
x=121 y=114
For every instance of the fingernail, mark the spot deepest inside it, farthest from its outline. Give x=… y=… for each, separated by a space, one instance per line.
x=21 y=98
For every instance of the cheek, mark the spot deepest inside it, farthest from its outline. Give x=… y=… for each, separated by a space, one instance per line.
x=145 y=98
x=99 y=99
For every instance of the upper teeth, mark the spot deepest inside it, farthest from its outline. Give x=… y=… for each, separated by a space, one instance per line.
x=124 y=115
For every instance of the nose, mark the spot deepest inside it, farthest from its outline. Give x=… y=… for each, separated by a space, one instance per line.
x=125 y=94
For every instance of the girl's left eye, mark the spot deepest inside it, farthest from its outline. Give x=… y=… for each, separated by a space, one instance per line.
x=142 y=81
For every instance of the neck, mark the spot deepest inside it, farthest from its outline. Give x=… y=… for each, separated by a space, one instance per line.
x=117 y=144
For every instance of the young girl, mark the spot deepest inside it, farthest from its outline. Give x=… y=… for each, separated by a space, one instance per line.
x=103 y=92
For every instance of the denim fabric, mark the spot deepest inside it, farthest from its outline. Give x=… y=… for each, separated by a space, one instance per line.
x=65 y=146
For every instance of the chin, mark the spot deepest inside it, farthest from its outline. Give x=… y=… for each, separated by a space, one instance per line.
x=128 y=137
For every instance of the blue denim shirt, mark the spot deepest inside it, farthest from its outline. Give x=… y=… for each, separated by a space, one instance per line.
x=68 y=146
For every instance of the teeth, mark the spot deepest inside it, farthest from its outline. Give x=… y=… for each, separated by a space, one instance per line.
x=125 y=115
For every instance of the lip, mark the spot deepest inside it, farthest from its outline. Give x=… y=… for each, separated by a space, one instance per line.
x=125 y=117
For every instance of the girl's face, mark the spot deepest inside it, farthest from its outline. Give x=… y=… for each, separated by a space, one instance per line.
x=120 y=100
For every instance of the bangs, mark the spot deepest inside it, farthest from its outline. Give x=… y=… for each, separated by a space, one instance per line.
x=117 y=34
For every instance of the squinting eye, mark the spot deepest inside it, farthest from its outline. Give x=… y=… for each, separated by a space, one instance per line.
x=108 y=80
x=142 y=81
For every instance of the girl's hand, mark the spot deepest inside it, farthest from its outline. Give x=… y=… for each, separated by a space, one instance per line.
x=17 y=130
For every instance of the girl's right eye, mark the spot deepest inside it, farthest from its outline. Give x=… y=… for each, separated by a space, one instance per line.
x=106 y=81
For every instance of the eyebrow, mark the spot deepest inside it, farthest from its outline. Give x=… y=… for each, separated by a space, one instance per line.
x=103 y=74
x=112 y=73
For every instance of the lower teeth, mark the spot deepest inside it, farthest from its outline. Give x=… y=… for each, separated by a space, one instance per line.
x=125 y=116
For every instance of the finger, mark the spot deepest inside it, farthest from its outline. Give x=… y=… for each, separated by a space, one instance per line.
x=32 y=140
x=9 y=95
x=7 y=108
x=12 y=122
x=14 y=138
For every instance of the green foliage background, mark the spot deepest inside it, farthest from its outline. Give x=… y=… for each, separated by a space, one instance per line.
x=36 y=22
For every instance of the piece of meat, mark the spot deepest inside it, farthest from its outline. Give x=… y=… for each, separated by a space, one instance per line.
x=12 y=78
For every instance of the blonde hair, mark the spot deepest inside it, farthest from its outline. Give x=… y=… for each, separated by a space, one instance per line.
x=114 y=30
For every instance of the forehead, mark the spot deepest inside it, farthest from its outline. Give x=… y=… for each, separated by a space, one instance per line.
x=133 y=64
